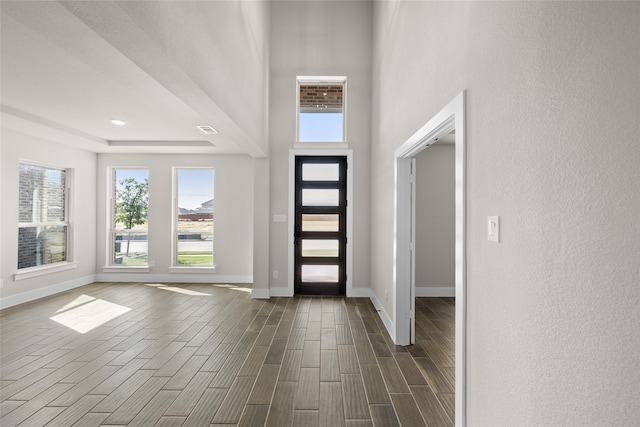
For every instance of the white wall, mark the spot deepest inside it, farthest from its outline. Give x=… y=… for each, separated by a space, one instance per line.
x=553 y=100
x=313 y=38
x=239 y=62
x=226 y=62
x=233 y=238
x=435 y=220
x=16 y=147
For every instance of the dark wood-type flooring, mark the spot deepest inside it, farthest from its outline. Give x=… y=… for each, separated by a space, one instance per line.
x=142 y=354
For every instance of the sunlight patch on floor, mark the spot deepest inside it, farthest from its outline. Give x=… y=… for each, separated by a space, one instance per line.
x=233 y=288
x=82 y=299
x=178 y=290
x=86 y=313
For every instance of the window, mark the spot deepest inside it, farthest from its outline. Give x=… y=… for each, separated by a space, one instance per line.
x=129 y=222
x=321 y=112
x=43 y=224
x=194 y=217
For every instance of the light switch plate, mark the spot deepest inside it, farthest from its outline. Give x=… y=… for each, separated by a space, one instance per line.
x=279 y=218
x=493 y=229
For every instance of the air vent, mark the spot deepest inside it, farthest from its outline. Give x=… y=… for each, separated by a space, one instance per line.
x=207 y=130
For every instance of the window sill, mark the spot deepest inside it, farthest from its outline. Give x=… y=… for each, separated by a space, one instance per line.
x=195 y=270
x=125 y=269
x=321 y=145
x=40 y=270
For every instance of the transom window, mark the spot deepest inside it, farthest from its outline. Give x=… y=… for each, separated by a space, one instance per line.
x=321 y=109
x=43 y=224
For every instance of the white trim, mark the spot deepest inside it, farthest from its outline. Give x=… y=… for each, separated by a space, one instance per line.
x=386 y=319
x=281 y=292
x=192 y=270
x=321 y=145
x=68 y=221
x=42 y=224
x=451 y=117
x=164 y=278
x=435 y=291
x=24 y=297
x=348 y=153
x=41 y=270
x=260 y=293
x=320 y=80
x=174 y=220
x=125 y=269
x=111 y=202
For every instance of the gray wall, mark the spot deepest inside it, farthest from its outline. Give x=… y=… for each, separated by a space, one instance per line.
x=552 y=147
x=320 y=39
x=435 y=219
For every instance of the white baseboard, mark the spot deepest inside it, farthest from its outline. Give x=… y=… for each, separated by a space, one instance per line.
x=260 y=293
x=35 y=294
x=281 y=292
x=168 y=278
x=435 y=291
x=388 y=323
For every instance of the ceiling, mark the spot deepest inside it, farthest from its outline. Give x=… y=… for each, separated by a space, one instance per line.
x=164 y=67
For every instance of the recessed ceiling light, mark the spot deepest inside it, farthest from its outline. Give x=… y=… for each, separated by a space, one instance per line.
x=118 y=122
x=209 y=130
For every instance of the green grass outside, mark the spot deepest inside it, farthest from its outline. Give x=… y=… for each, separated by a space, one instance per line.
x=195 y=258
x=195 y=253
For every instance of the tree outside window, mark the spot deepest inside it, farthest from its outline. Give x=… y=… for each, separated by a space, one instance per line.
x=130 y=206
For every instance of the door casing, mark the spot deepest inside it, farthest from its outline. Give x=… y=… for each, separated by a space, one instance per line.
x=450 y=118
x=348 y=153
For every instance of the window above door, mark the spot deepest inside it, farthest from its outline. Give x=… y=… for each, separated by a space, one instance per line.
x=321 y=110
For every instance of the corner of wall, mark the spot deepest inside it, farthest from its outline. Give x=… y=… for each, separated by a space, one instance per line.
x=35 y=294
x=388 y=323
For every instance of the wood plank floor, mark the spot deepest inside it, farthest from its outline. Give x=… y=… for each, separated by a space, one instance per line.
x=142 y=354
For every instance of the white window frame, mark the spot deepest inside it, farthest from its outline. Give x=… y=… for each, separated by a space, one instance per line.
x=320 y=80
x=68 y=263
x=110 y=266
x=175 y=267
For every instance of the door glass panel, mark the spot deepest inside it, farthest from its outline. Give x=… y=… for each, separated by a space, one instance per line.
x=320 y=248
x=320 y=222
x=320 y=172
x=313 y=197
x=320 y=273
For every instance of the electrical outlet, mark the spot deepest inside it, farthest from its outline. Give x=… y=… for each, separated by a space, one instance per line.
x=275 y=274
x=152 y=263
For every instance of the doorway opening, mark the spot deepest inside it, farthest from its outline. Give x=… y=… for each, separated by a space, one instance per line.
x=450 y=119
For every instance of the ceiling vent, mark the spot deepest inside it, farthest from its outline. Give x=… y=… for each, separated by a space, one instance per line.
x=209 y=130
